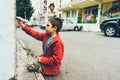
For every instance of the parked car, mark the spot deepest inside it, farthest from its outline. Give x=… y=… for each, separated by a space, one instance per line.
x=111 y=26
x=69 y=25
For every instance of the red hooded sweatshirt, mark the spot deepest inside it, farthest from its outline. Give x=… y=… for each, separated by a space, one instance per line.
x=52 y=59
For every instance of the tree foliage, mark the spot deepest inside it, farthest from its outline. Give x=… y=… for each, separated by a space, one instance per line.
x=24 y=8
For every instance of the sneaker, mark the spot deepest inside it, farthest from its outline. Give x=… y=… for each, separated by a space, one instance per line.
x=34 y=68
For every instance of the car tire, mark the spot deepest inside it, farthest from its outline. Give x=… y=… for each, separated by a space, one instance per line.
x=110 y=31
x=76 y=28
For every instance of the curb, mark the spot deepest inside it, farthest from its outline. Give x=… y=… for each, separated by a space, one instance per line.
x=24 y=56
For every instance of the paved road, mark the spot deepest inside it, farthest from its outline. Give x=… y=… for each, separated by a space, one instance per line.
x=88 y=55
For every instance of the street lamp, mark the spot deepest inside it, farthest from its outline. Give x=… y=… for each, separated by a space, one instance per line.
x=25 y=15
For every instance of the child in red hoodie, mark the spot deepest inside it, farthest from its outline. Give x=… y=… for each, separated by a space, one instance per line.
x=53 y=47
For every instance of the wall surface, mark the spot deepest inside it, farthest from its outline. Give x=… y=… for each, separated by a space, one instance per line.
x=6 y=39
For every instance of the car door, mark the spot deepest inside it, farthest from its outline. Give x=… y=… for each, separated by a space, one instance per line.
x=67 y=25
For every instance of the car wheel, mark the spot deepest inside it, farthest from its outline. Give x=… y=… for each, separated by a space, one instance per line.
x=76 y=28
x=110 y=31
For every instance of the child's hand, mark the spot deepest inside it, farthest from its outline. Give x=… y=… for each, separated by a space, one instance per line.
x=20 y=21
x=39 y=59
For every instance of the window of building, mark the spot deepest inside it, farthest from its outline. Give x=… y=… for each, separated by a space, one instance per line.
x=91 y=14
x=88 y=11
x=34 y=19
x=60 y=3
x=67 y=14
x=91 y=10
x=74 y=13
x=95 y=11
x=59 y=15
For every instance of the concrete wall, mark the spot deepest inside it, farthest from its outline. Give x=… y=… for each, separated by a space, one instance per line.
x=7 y=39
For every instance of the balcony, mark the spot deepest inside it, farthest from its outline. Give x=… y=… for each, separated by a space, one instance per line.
x=82 y=4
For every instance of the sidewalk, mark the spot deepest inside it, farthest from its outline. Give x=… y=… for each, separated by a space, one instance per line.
x=24 y=56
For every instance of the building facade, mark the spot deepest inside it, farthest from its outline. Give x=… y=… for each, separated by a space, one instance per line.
x=86 y=13
x=37 y=11
x=41 y=12
x=89 y=13
x=41 y=9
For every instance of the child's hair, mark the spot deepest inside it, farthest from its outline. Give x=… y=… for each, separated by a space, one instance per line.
x=52 y=4
x=56 y=22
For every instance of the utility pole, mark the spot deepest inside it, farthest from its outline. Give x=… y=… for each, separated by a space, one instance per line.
x=25 y=15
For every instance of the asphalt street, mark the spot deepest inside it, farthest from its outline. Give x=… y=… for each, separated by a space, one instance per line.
x=88 y=55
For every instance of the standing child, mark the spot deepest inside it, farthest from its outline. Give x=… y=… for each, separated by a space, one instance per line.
x=51 y=14
x=53 y=47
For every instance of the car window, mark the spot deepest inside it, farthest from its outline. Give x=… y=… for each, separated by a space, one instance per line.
x=67 y=21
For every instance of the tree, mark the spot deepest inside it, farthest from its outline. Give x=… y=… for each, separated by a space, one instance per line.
x=24 y=8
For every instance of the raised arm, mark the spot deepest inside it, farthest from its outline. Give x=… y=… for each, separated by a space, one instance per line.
x=30 y=31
